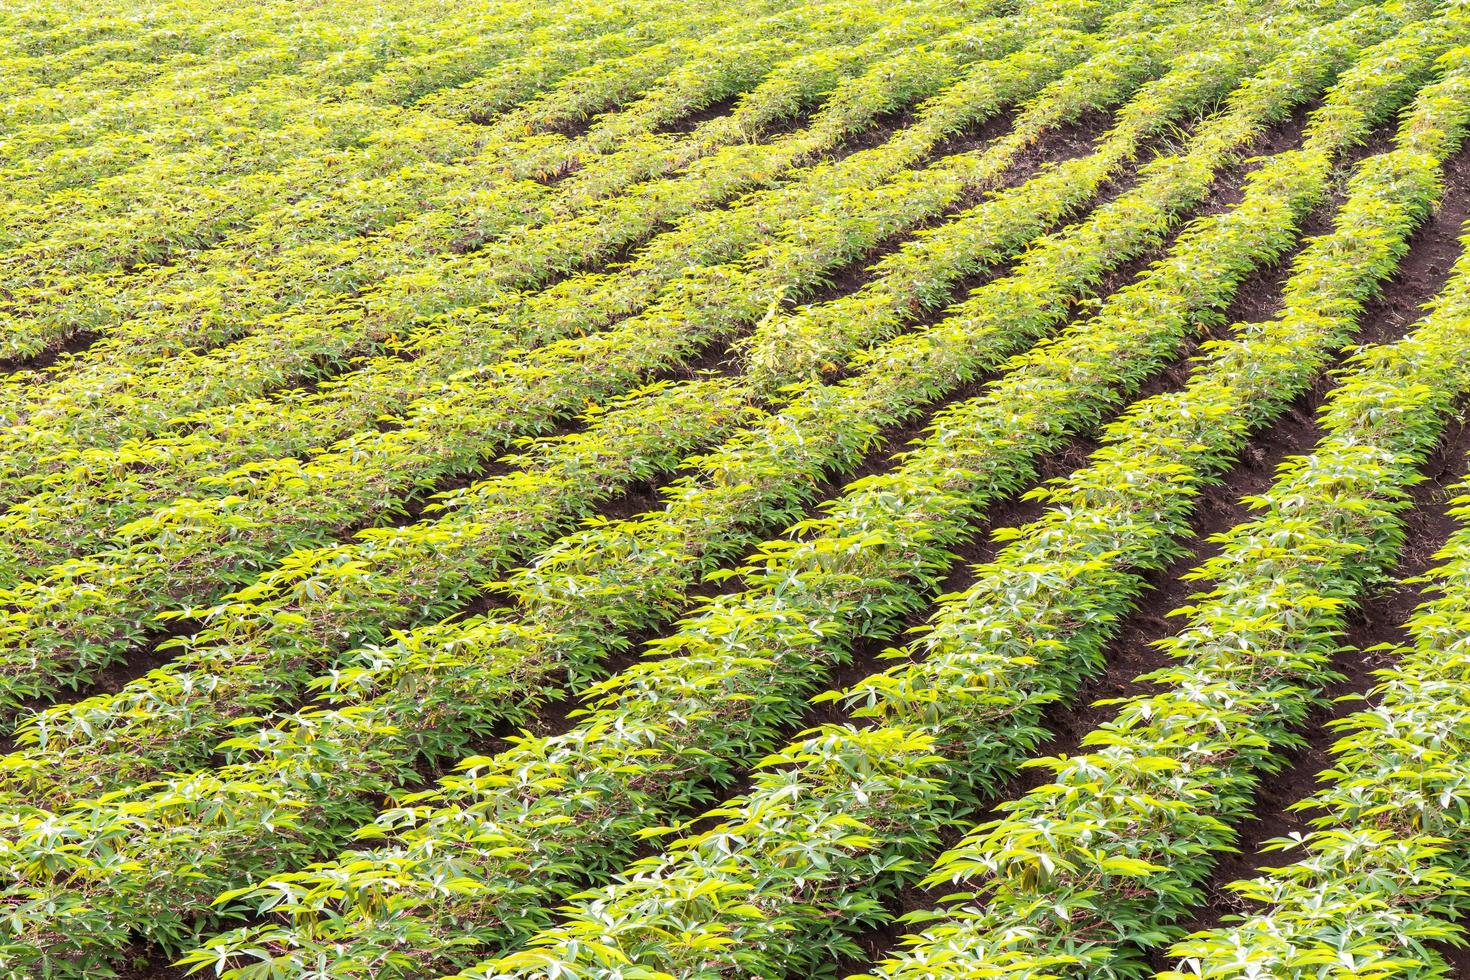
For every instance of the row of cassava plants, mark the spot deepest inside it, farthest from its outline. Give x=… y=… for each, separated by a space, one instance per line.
x=107 y=73
x=618 y=79
x=156 y=41
x=237 y=53
x=60 y=29
x=274 y=88
x=427 y=50
x=200 y=115
x=403 y=889
x=193 y=382
x=117 y=67
x=232 y=49
x=745 y=65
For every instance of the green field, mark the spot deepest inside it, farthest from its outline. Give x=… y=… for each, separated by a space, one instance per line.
x=922 y=490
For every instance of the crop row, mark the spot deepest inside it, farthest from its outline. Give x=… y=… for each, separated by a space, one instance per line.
x=62 y=106
x=422 y=48
x=835 y=821
x=622 y=73
x=465 y=866
x=62 y=520
x=412 y=672
x=29 y=59
x=65 y=626
x=266 y=84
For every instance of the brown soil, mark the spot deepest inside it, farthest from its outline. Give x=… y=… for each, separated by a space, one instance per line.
x=149 y=965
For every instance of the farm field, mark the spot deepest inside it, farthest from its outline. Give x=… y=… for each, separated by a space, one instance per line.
x=923 y=490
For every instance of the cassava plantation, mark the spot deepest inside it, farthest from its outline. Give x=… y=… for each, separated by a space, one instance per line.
x=756 y=490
